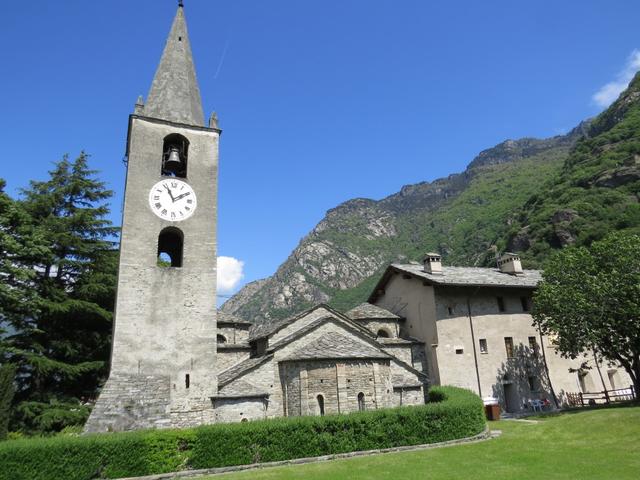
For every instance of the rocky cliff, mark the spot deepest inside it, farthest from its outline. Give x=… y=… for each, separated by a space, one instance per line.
x=338 y=259
x=528 y=195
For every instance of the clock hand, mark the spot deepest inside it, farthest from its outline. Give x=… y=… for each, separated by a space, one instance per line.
x=169 y=192
x=182 y=196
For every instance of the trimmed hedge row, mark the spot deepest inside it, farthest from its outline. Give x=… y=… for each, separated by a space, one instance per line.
x=452 y=413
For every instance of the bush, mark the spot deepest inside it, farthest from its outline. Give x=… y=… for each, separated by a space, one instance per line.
x=457 y=414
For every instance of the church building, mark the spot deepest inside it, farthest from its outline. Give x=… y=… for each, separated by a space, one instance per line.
x=177 y=362
x=174 y=363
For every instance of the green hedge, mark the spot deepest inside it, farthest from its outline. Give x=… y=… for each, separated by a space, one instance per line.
x=456 y=413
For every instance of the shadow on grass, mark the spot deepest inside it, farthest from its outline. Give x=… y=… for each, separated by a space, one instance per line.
x=572 y=410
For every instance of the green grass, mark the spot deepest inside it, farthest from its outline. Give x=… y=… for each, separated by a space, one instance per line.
x=594 y=444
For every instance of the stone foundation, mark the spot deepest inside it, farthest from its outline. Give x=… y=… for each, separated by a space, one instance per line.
x=131 y=402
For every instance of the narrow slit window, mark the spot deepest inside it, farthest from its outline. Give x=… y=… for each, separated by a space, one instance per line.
x=320 y=399
x=187 y=381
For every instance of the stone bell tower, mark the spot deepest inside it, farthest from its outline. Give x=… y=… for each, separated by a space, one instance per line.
x=164 y=338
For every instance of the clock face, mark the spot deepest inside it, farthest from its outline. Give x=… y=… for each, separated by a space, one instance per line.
x=172 y=200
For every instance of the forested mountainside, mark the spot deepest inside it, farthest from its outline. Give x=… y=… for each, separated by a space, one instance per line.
x=596 y=191
x=528 y=195
x=461 y=216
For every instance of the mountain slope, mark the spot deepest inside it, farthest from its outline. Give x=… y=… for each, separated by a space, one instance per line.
x=597 y=190
x=460 y=216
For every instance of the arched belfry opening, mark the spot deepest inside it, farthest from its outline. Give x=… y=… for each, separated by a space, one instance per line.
x=175 y=154
x=170 y=247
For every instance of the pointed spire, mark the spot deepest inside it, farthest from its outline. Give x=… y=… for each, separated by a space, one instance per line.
x=174 y=93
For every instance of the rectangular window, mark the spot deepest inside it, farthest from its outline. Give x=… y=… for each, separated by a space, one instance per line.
x=525 y=304
x=508 y=345
x=459 y=351
x=500 y=303
x=533 y=384
x=533 y=344
x=450 y=310
x=483 y=346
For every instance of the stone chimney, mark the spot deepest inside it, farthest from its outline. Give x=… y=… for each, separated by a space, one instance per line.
x=510 y=263
x=432 y=263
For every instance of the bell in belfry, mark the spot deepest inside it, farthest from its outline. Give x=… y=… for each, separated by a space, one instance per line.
x=173 y=163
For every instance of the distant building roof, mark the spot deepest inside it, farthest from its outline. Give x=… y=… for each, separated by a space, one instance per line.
x=240 y=369
x=367 y=311
x=399 y=381
x=269 y=328
x=463 y=277
x=234 y=346
x=333 y=345
x=240 y=389
x=227 y=318
x=397 y=341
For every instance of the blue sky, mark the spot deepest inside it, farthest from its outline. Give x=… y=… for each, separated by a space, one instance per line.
x=320 y=102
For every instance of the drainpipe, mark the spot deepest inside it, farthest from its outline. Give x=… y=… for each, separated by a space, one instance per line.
x=473 y=341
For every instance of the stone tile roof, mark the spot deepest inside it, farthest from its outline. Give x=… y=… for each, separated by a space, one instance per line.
x=267 y=328
x=223 y=317
x=334 y=345
x=234 y=346
x=367 y=311
x=399 y=381
x=174 y=94
x=473 y=276
x=239 y=389
x=350 y=325
x=240 y=368
x=396 y=341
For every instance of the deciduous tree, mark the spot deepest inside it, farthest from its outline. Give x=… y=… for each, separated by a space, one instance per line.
x=590 y=300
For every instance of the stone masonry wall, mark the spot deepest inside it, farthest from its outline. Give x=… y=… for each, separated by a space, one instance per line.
x=403 y=352
x=374 y=326
x=229 y=357
x=239 y=409
x=131 y=402
x=339 y=383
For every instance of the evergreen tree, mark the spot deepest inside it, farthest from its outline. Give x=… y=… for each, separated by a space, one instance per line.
x=20 y=246
x=61 y=343
x=7 y=390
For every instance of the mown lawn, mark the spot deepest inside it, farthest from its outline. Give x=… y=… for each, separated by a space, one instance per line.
x=594 y=444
